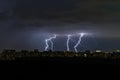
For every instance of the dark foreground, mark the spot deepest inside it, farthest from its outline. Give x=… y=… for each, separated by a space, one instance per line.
x=60 y=67
x=58 y=57
x=62 y=60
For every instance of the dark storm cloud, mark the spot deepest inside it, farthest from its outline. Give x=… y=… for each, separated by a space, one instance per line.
x=68 y=10
x=52 y=14
x=63 y=10
x=21 y=19
x=93 y=15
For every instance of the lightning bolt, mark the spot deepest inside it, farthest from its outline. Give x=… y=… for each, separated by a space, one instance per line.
x=68 y=39
x=79 y=41
x=47 y=45
x=46 y=41
x=52 y=41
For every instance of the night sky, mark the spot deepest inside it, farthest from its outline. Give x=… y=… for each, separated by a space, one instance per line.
x=25 y=24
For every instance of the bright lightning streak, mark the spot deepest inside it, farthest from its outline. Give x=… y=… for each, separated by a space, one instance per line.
x=68 y=49
x=52 y=42
x=47 y=45
x=46 y=48
x=79 y=41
